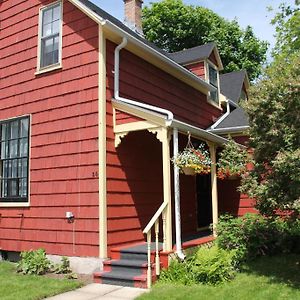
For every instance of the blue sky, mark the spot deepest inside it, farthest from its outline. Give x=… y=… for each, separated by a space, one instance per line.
x=253 y=12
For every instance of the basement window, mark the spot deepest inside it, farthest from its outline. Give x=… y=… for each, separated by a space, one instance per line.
x=50 y=37
x=14 y=148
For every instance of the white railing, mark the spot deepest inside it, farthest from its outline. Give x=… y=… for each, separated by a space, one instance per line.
x=148 y=229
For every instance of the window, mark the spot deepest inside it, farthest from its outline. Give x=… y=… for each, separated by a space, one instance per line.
x=14 y=160
x=213 y=80
x=50 y=36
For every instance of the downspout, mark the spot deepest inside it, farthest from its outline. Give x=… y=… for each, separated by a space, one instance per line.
x=222 y=117
x=170 y=118
x=169 y=114
x=177 y=198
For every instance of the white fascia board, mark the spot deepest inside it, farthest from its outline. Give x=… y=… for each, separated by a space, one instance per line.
x=228 y=130
x=160 y=56
x=199 y=132
x=138 y=43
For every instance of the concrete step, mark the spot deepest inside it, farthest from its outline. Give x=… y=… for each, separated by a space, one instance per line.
x=122 y=278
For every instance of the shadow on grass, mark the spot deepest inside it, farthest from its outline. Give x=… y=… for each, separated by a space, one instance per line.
x=284 y=269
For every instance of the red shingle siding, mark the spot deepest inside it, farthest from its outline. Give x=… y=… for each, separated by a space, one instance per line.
x=139 y=155
x=198 y=69
x=64 y=131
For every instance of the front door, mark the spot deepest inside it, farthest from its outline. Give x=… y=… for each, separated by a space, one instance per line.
x=204 y=205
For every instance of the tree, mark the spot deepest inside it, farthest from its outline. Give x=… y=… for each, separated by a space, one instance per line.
x=287 y=24
x=273 y=110
x=174 y=26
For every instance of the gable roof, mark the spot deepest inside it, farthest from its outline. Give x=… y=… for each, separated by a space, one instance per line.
x=151 y=53
x=195 y=54
x=236 y=121
x=105 y=15
x=231 y=84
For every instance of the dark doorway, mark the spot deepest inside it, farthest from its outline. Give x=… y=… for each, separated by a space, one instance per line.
x=204 y=205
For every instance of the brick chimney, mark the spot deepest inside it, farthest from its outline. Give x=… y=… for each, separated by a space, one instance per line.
x=133 y=14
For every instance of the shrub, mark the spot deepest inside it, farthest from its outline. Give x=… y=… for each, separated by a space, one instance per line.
x=64 y=267
x=33 y=262
x=213 y=265
x=207 y=266
x=254 y=235
x=178 y=272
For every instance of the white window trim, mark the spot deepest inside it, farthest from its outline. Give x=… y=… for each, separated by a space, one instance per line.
x=22 y=204
x=207 y=64
x=58 y=65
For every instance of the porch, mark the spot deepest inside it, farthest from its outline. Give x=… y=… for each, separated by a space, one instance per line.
x=166 y=206
x=129 y=265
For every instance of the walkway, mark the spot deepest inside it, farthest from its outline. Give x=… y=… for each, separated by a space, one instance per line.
x=97 y=291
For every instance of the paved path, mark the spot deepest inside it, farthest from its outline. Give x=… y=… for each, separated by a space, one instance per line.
x=97 y=291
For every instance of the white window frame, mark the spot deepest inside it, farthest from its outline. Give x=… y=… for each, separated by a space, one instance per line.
x=57 y=65
x=208 y=64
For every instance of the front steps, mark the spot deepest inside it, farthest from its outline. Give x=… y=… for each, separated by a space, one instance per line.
x=128 y=267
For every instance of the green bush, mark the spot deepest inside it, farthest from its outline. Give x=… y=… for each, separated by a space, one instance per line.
x=178 y=272
x=33 y=262
x=254 y=235
x=207 y=266
x=63 y=267
x=213 y=265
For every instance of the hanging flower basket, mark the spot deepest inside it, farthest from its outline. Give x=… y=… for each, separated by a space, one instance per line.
x=232 y=161
x=193 y=161
x=188 y=171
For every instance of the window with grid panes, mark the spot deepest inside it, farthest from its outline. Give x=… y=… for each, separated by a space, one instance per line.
x=213 y=80
x=14 y=160
x=50 y=35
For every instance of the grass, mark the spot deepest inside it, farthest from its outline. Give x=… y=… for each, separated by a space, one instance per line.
x=267 y=278
x=29 y=287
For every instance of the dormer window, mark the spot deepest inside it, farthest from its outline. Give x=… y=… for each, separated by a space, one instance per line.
x=50 y=35
x=214 y=81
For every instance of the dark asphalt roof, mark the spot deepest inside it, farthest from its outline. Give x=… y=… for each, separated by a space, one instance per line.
x=193 y=54
x=236 y=118
x=103 y=14
x=231 y=84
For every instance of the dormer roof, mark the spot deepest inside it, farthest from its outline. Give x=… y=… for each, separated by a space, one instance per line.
x=231 y=84
x=198 y=53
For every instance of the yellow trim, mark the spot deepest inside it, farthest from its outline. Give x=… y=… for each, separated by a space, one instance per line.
x=214 y=188
x=134 y=126
x=102 y=145
x=58 y=65
x=167 y=185
x=122 y=130
x=141 y=113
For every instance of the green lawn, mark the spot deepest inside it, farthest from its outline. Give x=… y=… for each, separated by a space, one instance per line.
x=15 y=286
x=268 y=278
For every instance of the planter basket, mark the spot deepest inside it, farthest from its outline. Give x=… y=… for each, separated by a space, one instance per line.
x=233 y=177
x=188 y=171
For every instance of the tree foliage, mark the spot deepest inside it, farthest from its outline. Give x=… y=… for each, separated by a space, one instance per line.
x=287 y=24
x=174 y=26
x=273 y=110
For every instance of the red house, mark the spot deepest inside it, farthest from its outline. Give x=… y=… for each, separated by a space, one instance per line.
x=90 y=115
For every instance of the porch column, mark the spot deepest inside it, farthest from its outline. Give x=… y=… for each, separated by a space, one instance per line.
x=167 y=185
x=214 y=189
